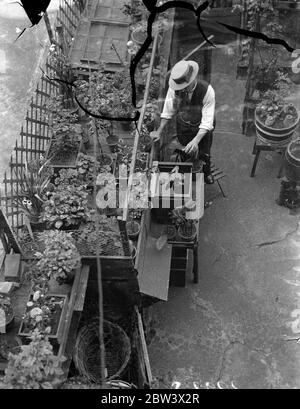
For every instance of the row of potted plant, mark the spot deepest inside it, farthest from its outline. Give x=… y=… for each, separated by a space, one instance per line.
x=66 y=141
x=59 y=199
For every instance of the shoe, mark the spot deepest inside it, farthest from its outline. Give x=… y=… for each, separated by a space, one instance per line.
x=209 y=179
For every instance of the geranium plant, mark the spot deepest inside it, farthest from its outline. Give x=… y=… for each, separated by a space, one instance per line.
x=87 y=166
x=274 y=112
x=35 y=367
x=60 y=256
x=109 y=93
x=38 y=313
x=66 y=206
x=66 y=131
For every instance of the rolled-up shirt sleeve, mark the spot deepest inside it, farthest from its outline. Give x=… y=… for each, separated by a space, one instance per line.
x=169 y=106
x=208 y=110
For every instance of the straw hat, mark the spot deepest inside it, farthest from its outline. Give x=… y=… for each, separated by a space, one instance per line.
x=183 y=74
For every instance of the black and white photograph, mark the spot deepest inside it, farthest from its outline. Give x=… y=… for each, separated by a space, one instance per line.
x=149 y=197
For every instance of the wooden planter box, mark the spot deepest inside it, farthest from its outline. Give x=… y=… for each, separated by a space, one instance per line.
x=58 y=327
x=65 y=162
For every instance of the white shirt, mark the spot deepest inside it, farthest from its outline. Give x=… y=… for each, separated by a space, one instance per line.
x=208 y=109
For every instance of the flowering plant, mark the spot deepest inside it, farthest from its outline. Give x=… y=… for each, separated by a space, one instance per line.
x=35 y=367
x=87 y=166
x=273 y=111
x=38 y=312
x=109 y=93
x=60 y=256
x=66 y=206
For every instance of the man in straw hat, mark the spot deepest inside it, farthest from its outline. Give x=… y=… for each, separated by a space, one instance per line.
x=193 y=102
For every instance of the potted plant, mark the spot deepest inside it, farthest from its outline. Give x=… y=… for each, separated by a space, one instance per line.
x=275 y=120
x=64 y=71
x=35 y=367
x=60 y=257
x=44 y=311
x=66 y=207
x=274 y=112
x=66 y=177
x=107 y=241
x=6 y=312
x=186 y=227
x=34 y=180
x=65 y=146
x=66 y=134
x=111 y=95
x=151 y=114
x=134 y=10
x=87 y=166
x=170 y=231
x=12 y=345
x=133 y=229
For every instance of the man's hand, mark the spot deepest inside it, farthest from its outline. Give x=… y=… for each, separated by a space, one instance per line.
x=191 y=148
x=155 y=136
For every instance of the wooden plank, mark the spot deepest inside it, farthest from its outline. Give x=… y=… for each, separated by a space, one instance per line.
x=110 y=22
x=154 y=275
x=139 y=126
x=140 y=249
x=33 y=149
x=12 y=239
x=144 y=345
x=31 y=120
x=69 y=314
x=29 y=135
x=80 y=298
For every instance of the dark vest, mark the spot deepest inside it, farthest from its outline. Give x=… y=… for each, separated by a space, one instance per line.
x=189 y=113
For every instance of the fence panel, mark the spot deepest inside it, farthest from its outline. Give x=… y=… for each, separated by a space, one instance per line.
x=35 y=131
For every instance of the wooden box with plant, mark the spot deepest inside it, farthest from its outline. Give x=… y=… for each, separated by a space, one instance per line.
x=110 y=95
x=59 y=258
x=6 y=313
x=66 y=141
x=45 y=312
x=88 y=166
x=107 y=241
x=66 y=207
x=186 y=228
x=34 y=182
x=34 y=367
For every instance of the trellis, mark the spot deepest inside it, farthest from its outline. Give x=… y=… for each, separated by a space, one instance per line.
x=35 y=132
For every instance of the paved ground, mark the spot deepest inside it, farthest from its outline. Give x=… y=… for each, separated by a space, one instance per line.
x=234 y=325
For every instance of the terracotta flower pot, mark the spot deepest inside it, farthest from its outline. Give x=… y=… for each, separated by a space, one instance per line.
x=187 y=232
x=133 y=229
x=171 y=232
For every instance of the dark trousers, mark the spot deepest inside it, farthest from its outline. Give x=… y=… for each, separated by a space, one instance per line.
x=203 y=150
